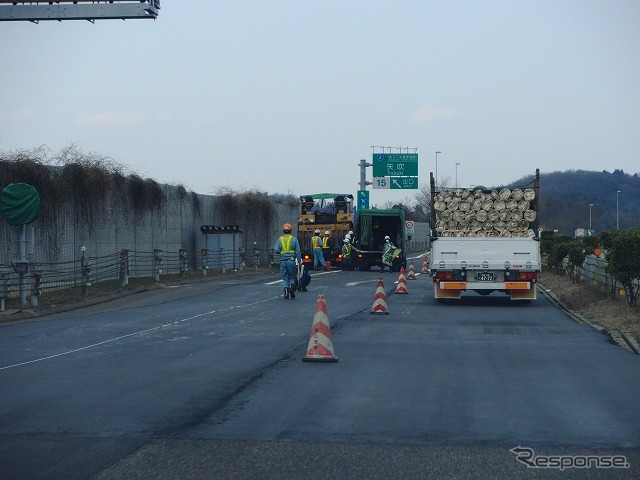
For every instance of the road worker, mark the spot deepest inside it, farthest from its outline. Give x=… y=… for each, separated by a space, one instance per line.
x=352 y=238
x=316 y=248
x=347 y=259
x=288 y=248
x=327 y=249
x=387 y=246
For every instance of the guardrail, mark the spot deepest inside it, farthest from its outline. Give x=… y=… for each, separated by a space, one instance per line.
x=594 y=270
x=123 y=265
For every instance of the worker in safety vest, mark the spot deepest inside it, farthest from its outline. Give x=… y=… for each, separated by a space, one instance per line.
x=352 y=238
x=347 y=251
x=316 y=248
x=288 y=248
x=387 y=245
x=327 y=249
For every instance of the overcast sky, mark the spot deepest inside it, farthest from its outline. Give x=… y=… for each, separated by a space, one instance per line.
x=288 y=96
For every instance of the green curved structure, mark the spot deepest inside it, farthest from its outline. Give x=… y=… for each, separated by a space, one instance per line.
x=19 y=204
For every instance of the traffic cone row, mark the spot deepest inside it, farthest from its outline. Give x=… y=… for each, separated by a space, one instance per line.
x=412 y=273
x=380 y=300
x=320 y=347
x=402 y=283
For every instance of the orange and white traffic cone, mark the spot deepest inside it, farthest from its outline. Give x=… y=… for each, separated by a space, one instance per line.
x=425 y=266
x=402 y=283
x=320 y=347
x=380 y=300
x=412 y=273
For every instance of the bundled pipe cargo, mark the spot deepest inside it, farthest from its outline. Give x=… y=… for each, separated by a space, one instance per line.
x=483 y=213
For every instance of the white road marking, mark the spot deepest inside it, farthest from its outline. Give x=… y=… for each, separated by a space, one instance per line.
x=353 y=284
x=276 y=282
x=141 y=332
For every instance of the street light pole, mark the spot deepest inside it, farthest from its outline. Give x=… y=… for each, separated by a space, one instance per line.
x=590 y=205
x=437 y=168
x=457 y=163
x=617 y=210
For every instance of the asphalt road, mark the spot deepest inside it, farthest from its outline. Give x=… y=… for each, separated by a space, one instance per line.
x=206 y=381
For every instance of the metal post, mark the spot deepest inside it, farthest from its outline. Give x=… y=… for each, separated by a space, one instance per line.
x=457 y=163
x=256 y=256
x=617 y=210
x=590 y=205
x=36 y=290
x=182 y=255
x=157 y=262
x=242 y=253
x=4 y=290
x=124 y=267
x=223 y=260
x=23 y=260
x=437 y=153
x=85 y=271
x=205 y=260
x=363 y=174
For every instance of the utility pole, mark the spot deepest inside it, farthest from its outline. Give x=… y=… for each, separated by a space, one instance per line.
x=618 y=210
x=363 y=174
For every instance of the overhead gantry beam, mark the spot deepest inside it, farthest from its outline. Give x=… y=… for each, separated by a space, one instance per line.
x=11 y=10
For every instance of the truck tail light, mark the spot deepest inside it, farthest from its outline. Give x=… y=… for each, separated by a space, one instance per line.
x=527 y=276
x=306 y=257
x=444 y=275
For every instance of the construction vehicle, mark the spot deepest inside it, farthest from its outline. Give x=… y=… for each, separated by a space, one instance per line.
x=332 y=212
x=372 y=225
x=485 y=240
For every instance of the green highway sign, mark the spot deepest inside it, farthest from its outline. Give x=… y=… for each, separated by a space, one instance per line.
x=363 y=199
x=395 y=183
x=395 y=164
x=404 y=183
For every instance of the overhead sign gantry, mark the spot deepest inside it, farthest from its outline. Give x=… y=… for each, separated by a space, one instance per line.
x=90 y=10
x=395 y=171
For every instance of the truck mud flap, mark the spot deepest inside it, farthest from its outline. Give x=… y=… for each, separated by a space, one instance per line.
x=524 y=294
x=449 y=289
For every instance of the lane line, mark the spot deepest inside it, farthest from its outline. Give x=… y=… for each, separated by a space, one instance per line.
x=141 y=332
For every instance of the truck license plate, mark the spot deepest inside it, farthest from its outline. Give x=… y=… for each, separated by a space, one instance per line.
x=485 y=277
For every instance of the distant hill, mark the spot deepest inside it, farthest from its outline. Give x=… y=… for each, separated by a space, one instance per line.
x=565 y=198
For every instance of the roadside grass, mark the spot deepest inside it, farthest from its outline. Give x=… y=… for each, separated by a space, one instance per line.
x=594 y=303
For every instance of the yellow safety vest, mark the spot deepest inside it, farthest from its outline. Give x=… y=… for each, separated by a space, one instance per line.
x=285 y=244
x=325 y=243
x=316 y=241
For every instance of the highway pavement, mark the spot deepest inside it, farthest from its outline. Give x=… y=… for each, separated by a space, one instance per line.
x=207 y=381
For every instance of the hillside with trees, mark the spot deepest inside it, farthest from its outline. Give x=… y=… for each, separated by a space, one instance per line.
x=565 y=198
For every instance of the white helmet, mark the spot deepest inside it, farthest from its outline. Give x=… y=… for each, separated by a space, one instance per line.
x=327 y=233
x=350 y=232
x=347 y=236
x=346 y=240
x=387 y=237
x=317 y=230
